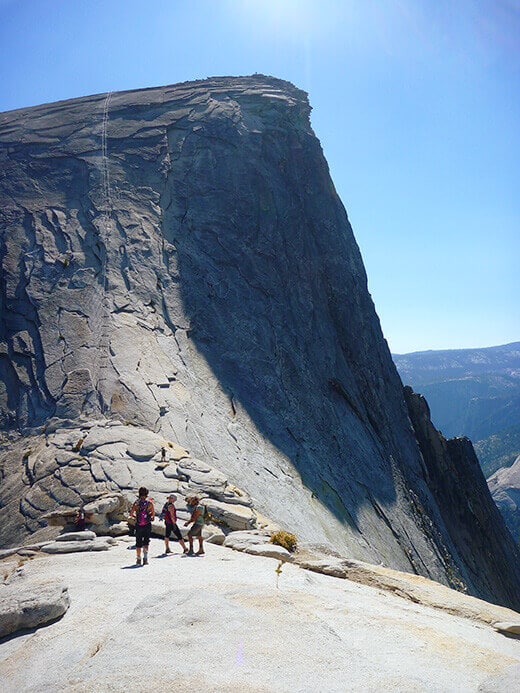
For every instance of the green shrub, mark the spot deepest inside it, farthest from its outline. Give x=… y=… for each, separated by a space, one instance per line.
x=285 y=539
x=78 y=445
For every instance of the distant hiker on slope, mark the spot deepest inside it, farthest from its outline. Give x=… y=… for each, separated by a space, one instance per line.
x=144 y=514
x=197 y=518
x=169 y=515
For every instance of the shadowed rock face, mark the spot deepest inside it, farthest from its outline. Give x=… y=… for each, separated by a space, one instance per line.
x=178 y=259
x=458 y=486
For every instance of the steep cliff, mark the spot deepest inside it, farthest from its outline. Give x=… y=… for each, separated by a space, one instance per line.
x=459 y=488
x=178 y=259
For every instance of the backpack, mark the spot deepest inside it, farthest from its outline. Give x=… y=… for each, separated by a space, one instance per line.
x=143 y=517
x=165 y=514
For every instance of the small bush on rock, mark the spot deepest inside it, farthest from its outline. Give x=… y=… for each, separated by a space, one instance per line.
x=78 y=445
x=285 y=539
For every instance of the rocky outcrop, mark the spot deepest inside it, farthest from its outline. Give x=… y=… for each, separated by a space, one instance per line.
x=256 y=543
x=72 y=542
x=504 y=486
x=458 y=486
x=473 y=393
x=415 y=588
x=99 y=467
x=176 y=262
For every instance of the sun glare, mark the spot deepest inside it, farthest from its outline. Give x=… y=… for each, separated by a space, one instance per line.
x=289 y=19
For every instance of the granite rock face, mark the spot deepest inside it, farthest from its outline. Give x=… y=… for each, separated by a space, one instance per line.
x=231 y=622
x=177 y=259
x=504 y=486
x=458 y=486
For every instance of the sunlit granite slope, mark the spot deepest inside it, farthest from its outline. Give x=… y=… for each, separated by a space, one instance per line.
x=177 y=259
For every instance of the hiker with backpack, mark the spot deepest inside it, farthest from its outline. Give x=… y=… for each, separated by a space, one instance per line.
x=144 y=514
x=197 y=518
x=169 y=515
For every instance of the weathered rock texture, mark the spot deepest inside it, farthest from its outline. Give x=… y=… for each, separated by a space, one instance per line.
x=504 y=485
x=457 y=484
x=29 y=603
x=178 y=259
x=229 y=623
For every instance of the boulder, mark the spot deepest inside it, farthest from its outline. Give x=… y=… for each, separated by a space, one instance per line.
x=97 y=544
x=202 y=478
x=106 y=507
x=508 y=628
x=241 y=541
x=142 y=451
x=233 y=494
x=117 y=529
x=174 y=451
x=29 y=603
x=60 y=517
x=269 y=550
x=233 y=515
x=77 y=536
x=213 y=535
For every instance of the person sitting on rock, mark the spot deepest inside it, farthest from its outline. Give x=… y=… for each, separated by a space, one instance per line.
x=80 y=519
x=170 y=525
x=197 y=518
x=144 y=514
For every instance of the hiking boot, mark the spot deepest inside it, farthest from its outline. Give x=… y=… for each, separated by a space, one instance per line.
x=145 y=560
x=138 y=561
x=168 y=550
x=200 y=553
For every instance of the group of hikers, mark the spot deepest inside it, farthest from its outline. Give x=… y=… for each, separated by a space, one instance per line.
x=143 y=512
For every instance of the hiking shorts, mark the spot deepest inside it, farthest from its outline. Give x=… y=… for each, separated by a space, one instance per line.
x=168 y=529
x=142 y=536
x=195 y=531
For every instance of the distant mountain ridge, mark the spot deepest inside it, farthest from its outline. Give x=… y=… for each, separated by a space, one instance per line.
x=432 y=366
x=473 y=393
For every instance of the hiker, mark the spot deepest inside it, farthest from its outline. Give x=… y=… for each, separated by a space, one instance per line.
x=144 y=514
x=197 y=518
x=80 y=519
x=163 y=456
x=169 y=514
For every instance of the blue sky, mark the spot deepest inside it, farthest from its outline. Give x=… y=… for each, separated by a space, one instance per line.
x=416 y=104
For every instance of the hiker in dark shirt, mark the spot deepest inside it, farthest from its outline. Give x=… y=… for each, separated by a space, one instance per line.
x=170 y=524
x=144 y=514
